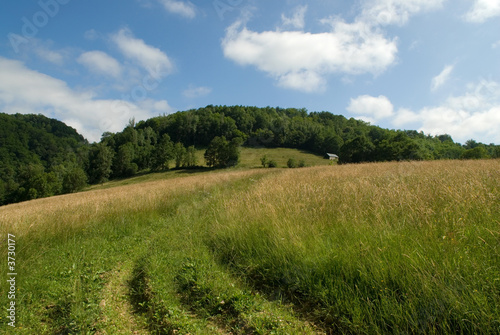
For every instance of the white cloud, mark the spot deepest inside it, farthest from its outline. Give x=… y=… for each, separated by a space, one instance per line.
x=50 y=55
x=460 y=124
x=374 y=108
x=43 y=49
x=483 y=10
x=475 y=114
x=307 y=81
x=101 y=63
x=442 y=78
x=23 y=90
x=197 y=92
x=183 y=8
x=297 y=20
x=301 y=60
x=386 y=12
x=405 y=116
x=150 y=58
x=155 y=106
x=496 y=45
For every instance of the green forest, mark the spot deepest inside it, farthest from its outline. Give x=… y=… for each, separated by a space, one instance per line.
x=41 y=157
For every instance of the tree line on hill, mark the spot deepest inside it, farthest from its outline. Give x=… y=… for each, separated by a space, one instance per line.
x=40 y=157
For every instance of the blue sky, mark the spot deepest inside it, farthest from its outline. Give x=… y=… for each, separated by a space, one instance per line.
x=429 y=65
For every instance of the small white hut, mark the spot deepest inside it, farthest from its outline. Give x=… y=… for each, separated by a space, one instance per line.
x=332 y=157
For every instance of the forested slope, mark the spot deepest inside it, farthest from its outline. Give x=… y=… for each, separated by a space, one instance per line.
x=39 y=157
x=319 y=132
x=42 y=157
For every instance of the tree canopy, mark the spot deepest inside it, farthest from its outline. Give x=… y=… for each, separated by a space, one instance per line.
x=39 y=157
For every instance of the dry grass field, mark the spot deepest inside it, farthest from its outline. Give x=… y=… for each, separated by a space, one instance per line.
x=80 y=209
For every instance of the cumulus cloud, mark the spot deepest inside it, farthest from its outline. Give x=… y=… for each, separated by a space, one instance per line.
x=460 y=124
x=442 y=78
x=372 y=108
x=155 y=106
x=301 y=60
x=152 y=59
x=475 y=114
x=386 y=12
x=183 y=8
x=482 y=10
x=307 y=81
x=23 y=90
x=297 y=20
x=197 y=92
x=101 y=63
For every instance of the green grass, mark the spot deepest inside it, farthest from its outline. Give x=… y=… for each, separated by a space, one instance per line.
x=66 y=273
x=388 y=248
x=249 y=158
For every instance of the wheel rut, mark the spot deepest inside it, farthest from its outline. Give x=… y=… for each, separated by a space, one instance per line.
x=118 y=315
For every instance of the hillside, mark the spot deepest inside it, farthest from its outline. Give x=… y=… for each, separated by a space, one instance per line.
x=390 y=248
x=43 y=157
x=169 y=141
x=38 y=157
x=318 y=132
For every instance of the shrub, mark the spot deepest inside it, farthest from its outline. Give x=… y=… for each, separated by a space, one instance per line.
x=272 y=164
x=292 y=163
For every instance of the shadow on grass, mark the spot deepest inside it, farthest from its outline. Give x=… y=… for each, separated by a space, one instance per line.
x=138 y=288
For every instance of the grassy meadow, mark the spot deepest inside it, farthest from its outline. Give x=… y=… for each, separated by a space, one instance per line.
x=249 y=159
x=386 y=248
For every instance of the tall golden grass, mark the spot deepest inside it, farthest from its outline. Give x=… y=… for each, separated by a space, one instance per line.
x=421 y=192
x=79 y=209
x=378 y=247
